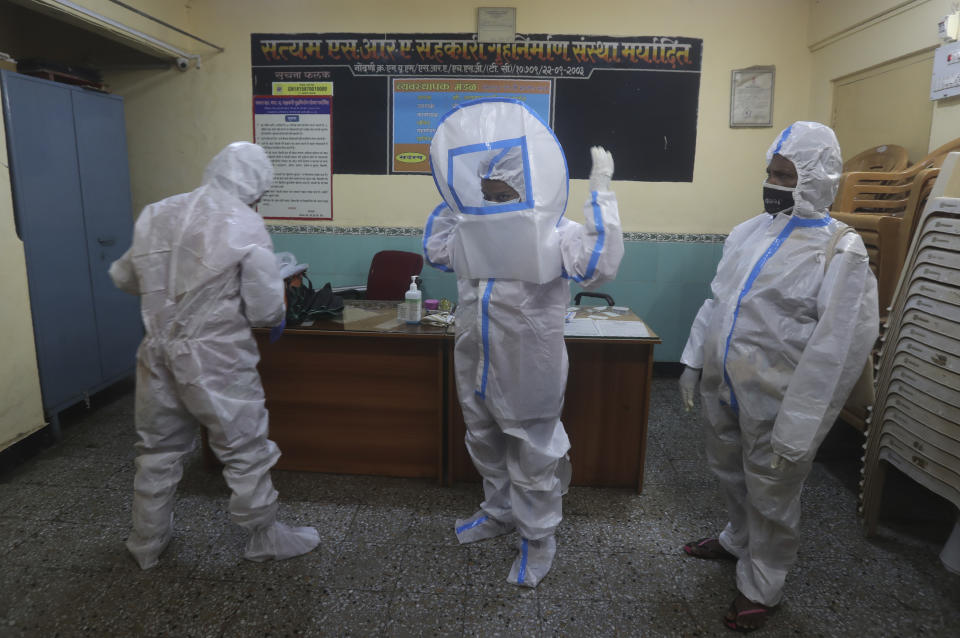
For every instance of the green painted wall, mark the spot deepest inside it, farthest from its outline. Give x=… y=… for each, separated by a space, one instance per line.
x=663 y=282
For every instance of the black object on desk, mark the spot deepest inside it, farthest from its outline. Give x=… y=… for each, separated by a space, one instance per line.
x=598 y=295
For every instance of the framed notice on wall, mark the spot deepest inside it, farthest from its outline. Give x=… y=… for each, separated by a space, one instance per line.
x=751 y=97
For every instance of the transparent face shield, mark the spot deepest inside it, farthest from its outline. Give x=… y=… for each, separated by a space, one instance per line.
x=485 y=179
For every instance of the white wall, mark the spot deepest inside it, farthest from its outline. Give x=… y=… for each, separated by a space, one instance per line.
x=849 y=37
x=176 y=121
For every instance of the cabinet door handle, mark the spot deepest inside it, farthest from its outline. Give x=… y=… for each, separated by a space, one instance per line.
x=106 y=241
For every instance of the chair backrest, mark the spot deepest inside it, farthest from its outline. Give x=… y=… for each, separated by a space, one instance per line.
x=390 y=272
x=888 y=157
x=934 y=158
x=887 y=193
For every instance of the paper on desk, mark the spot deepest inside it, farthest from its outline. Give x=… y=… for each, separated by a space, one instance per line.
x=581 y=328
x=635 y=329
x=307 y=324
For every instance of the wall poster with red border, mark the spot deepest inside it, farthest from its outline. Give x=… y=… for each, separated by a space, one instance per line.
x=295 y=130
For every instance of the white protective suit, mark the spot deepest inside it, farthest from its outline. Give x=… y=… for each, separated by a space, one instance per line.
x=203 y=265
x=514 y=262
x=781 y=344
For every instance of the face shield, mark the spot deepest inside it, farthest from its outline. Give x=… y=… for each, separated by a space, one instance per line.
x=502 y=170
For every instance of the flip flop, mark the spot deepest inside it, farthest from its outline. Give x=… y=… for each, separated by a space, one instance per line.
x=697 y=549
x=756 y=609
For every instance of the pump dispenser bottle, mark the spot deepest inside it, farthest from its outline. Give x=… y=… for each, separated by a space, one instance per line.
x=412 y=300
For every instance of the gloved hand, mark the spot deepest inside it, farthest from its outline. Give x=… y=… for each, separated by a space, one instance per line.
x=602 y=169
x=276 y=331
x=688 y=386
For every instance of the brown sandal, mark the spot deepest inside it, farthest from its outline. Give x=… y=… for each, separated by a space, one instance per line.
x=745 y=615
x=709 y=548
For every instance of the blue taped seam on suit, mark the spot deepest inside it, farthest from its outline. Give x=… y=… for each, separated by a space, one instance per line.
x=795 y=222
x=783 y=137
x=426 y=237
x=601 y=235
x=485 y=329
x=471 y=524
x=598 y=247
x=523 y=561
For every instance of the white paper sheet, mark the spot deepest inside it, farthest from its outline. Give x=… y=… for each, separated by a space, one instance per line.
x=581 y=328
x=635 y=329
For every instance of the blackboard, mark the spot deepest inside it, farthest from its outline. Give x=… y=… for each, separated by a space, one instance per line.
x=636 y=96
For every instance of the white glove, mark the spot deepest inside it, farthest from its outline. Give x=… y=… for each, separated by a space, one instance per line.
x=688 y=386
x=602 y=169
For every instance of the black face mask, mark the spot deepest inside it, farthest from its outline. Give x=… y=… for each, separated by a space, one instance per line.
x=777 y=199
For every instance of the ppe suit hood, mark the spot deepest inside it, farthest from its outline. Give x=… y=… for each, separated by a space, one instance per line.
x=241 y=169
x=815 y=152
x=502 y=139
x=506 y=166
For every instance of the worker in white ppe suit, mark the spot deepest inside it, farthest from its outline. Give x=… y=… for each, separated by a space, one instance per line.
x=503 y=178
x=203 y=265
x=780 y=345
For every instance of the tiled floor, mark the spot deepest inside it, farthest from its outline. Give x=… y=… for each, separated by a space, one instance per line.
x=389 y=564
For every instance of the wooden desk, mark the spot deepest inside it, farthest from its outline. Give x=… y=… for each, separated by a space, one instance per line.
x=364 y=394
x=605 y=411
x=359 y=394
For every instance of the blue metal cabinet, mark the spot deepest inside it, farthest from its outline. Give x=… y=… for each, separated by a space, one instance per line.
x=108 y=219
x=71 y=192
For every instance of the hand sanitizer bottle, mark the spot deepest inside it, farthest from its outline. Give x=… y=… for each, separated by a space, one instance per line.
x=412 y=300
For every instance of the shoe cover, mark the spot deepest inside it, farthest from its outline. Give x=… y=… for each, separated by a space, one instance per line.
x=950 y=554
x=479 y=527
x=533 y=561
x=280 y=541
x=147 y=551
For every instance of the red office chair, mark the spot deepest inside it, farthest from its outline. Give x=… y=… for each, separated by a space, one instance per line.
x=390 y=272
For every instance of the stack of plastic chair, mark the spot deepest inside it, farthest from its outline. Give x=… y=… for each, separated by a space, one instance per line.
x=885 y=213
x=886 y=157
x=915 y=423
